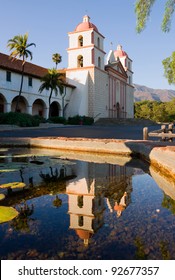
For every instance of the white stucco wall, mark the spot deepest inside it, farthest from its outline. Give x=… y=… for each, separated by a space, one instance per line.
x=79 y=97
x=130 y=101
x=101 y=94
x=10 y=90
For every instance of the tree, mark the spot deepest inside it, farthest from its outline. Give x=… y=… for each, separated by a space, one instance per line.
x=52 y=81
x=19 y=46
x=56 y=57
x=169 y=68
x=143 y=10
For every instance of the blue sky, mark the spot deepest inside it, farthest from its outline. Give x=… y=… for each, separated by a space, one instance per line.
x=48 y=23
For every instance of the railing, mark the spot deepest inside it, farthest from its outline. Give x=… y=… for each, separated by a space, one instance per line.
x=96 y=116
x=166 y=133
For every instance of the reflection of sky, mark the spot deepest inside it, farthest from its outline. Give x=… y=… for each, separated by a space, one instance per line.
x=147 y=191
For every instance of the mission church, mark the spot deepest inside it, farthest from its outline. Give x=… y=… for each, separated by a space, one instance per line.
x=96 y=85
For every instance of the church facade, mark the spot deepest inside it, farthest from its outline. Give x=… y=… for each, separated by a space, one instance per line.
x=96 y=84
x=102 y=90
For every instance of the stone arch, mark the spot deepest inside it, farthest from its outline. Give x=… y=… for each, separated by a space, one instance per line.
x=39 y=108
x=55 y=109
x=22 y=105
x=2 y=103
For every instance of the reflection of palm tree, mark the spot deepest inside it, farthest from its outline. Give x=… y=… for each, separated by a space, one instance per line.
x=21 y=223
x=54 y=176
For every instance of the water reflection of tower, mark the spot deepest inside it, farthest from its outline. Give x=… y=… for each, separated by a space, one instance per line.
x=86 y=203
x=118 y=192
x=87 y=193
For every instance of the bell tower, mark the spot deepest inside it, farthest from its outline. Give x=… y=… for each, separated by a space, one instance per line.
x=86 y=69
x=85 y=46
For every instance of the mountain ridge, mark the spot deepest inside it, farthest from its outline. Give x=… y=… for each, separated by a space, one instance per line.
x=142 y=92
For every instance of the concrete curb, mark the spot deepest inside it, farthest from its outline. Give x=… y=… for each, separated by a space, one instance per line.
x=159 y=154
x=41 y=126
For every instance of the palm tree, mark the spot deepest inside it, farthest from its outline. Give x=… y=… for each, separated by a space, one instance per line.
x=57 y=58
x=53 y=81
x=19 y=47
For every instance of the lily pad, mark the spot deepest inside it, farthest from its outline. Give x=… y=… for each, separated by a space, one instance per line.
x=7 y=214
x=2 y=196
x=13 y=185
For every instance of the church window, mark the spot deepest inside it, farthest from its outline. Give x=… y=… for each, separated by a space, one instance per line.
x=80 y=221
x=99 y=62
x=30 y=81
x=8 y=76
x=80 y=61
x=80 y=41
x=129 y=65
x=98 y=42
x=80 y=201
x=92 y=37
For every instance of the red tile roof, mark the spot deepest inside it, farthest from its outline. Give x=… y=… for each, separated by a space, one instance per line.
x=29 y=69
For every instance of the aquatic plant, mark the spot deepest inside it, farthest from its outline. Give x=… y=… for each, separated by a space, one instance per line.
x=7 y=214
x=2 y=196
x=13 y=185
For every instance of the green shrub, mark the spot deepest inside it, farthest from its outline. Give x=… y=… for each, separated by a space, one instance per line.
x=20 y=119
x=74 y=120
x=88 y=120
x=39 y=118
x=77 y=120
x=57 y=120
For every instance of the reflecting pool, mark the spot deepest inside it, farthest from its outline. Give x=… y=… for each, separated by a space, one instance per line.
x=81 y=206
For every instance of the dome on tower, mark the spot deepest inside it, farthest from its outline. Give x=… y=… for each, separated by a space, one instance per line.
x=83 y=234
x=119 y=52
x=85 y=25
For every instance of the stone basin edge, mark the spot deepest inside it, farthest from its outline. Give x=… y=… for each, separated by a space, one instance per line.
x=161 y=155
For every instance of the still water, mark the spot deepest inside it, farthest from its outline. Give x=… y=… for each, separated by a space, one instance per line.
x=81 y=206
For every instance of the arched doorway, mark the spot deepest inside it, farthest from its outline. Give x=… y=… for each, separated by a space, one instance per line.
x=2 y=103
x=55 y=109
x=38 y=108
x=22 y=105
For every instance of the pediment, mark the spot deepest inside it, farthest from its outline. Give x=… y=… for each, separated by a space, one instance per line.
x=116 y=66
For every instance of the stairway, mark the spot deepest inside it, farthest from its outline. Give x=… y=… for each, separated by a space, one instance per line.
x=114 y=121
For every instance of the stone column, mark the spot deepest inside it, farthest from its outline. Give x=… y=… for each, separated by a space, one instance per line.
x=7 y=107
x=46 y=113
x=29 y=110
